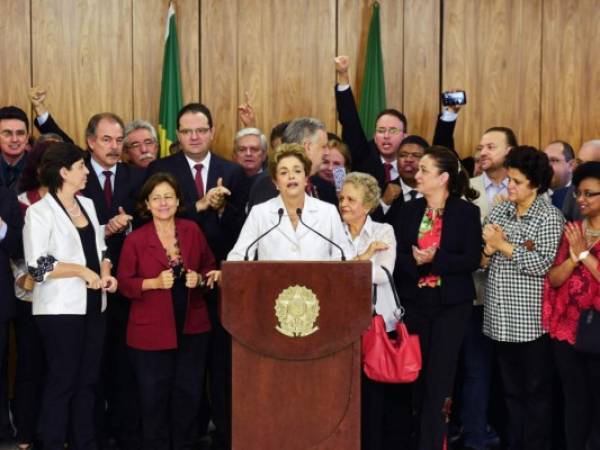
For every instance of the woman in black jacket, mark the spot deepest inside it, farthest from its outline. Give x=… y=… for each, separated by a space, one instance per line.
x=439 y=246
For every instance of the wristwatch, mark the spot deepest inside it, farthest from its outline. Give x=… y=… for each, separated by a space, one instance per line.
x=583 y=255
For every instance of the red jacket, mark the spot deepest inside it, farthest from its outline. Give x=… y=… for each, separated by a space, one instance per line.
x=151 y=324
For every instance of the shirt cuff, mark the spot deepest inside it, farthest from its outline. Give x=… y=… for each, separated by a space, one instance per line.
x=3 y=230
x=448 y=115
x=342 y=87
x=41 y=120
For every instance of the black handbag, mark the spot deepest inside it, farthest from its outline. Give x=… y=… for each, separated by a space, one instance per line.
x=588 y=332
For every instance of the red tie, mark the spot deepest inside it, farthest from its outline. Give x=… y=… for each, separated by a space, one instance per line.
x=198 y=180
x=388 y=172
x=107 y=188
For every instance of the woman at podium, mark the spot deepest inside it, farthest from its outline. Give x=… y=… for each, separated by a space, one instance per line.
x=292 y=226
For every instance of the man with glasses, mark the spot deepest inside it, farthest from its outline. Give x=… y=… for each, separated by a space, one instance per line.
x=140 y=143
x=212 y=189
x=589 y=151
x=14 y=139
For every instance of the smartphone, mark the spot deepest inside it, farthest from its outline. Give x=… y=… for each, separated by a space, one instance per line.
x=339 y=173
x=454 y=98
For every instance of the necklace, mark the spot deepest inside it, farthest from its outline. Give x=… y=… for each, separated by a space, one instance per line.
x=73 y=208
x=590 y=231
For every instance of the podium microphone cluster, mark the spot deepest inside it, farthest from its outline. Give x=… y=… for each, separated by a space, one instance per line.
x=299 y=212
x=280 y=214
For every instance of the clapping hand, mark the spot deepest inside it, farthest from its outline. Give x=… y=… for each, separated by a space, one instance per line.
x=118 y=223
x=192 y=279
x=109 y=284
x=424 y=256
x=493 y=235
x=576 y=240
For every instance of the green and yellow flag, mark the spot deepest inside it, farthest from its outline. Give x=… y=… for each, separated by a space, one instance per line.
x=170 y=89
x=372 y=97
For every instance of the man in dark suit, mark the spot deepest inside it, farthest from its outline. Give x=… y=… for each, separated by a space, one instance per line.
x=310 y=133
x=11 y=246
x=114 y=188
x=14 y=136
x=212 y=189
x=562 y=159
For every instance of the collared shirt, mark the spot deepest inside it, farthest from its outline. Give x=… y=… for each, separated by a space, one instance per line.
x=205 y=166
x=3 y=230
x=513 y=292
x=406 y=191
x=99 y=171
x=383 y=232
x=492 y=189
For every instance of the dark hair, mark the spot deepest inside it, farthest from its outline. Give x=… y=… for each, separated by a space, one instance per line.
x=394 y=112
x=567 y=149
x=148 y=187
x=469 y=165
x=414 y=139
x=285 y=150
x=195 y=108
x=277 y=131
x=13 y=112
x=49 y=137
x=92 y=126
x=30 y=176
x=509 y=135
x=586 y=170
x=57 y=156
x=458 y=178
x=532 y=163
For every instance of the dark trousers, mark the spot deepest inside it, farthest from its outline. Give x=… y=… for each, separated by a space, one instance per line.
x=219 y=377
x=73 y=348
x=441 y=329
x=118 y=409
x=170 y=385
x=477 y=368
x=29 y=376
x=580 y=377
x=526 y=369
x=372 y=414
x=6 y=430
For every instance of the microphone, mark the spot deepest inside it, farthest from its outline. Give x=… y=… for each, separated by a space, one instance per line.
x=280 y=214
x=299 y=212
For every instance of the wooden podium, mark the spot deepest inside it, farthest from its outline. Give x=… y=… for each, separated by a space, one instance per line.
x=296 y=392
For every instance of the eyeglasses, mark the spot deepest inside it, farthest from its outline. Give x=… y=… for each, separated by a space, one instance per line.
x=167 y=198
x=585 y=194
x=392 y=130
x=250 y=148
x=191 y=131
x=144 y=143
x=410 y=155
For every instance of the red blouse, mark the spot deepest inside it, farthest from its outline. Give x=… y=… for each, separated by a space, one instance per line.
x=562 y=306
x=430 y=233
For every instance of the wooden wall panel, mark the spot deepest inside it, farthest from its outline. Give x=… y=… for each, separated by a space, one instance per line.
x=421 y=67
x=492 y=49
x=15 y=63
x=354 y=18
x=571 y=71
x=188 y=33
x=218 y=56
x=82 y=54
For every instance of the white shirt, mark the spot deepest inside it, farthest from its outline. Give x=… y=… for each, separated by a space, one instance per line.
x=285 y=242
x=205 y=165
x=98 y=169
x=383 y=232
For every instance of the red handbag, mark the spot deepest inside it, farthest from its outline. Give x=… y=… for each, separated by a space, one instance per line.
x=388 y=360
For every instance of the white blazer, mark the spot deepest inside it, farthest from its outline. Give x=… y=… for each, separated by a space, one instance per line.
x=48 y=232
x=285 y=243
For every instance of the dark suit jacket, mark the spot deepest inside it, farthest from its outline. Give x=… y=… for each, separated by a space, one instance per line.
x=221 y=232
x=50 y=126
x=127 y=185
x=10 y=247
x=151 y=324
x=457 y=257
x=559 y=196
x=264 y=189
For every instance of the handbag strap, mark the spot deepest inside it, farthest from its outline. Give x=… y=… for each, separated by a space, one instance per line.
x=393 y=286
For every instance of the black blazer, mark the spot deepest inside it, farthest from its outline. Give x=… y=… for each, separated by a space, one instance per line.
x=457 y=257
x=10 y=247
x=126 y=190
x=221 y=232
x=264 y=189
x=50 y=126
